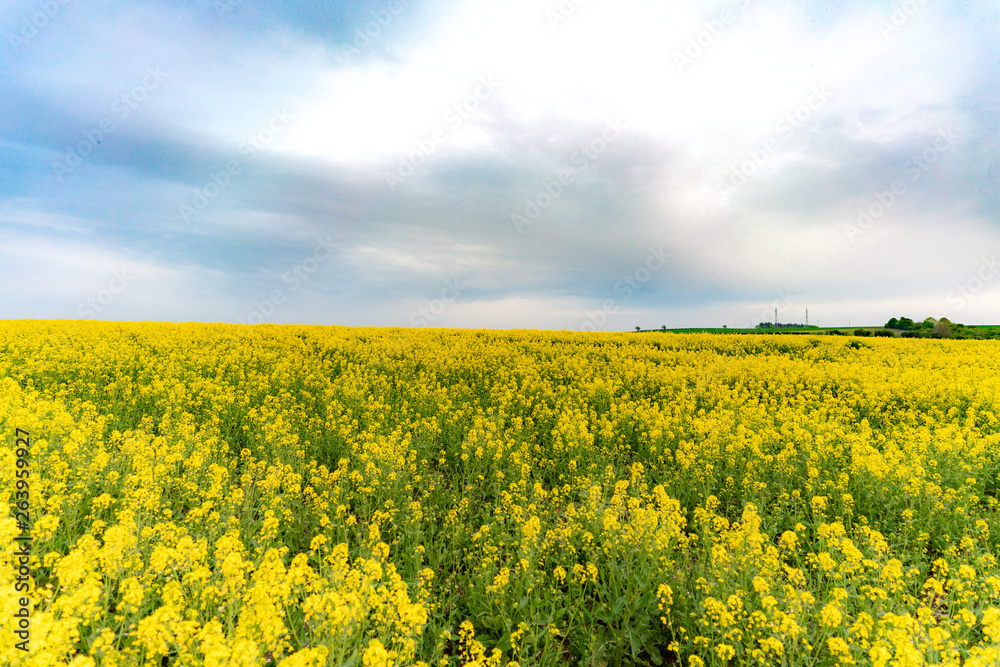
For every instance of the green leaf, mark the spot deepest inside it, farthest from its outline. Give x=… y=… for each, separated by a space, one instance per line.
x=633 y=640
x=619 y=603
x=353 y=660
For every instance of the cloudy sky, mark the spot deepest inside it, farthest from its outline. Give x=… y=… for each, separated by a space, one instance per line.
x=583 y=164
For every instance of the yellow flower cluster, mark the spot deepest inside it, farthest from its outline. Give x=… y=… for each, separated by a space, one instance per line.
x=302 y=496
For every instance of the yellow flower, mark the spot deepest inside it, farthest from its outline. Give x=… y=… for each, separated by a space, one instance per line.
x=375 y=655
x=841 y=650
x=789 y=540
x=830 y=616
x=725 y=652
x=665 y=595
x=307 y=657
x=991 y=624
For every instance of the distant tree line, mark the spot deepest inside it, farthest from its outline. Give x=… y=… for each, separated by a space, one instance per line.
x=782 y=325
x=943 y=328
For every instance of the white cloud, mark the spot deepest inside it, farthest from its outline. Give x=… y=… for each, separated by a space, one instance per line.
x=686 y=132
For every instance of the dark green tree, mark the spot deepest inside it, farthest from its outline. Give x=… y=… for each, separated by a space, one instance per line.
x=942 y=329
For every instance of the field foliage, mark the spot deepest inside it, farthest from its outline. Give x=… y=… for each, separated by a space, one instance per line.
x=293 y=495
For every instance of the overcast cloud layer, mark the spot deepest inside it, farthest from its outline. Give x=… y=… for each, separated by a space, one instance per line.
x=583 y=164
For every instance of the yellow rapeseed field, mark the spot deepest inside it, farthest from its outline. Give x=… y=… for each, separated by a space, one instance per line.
x=211 y=494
